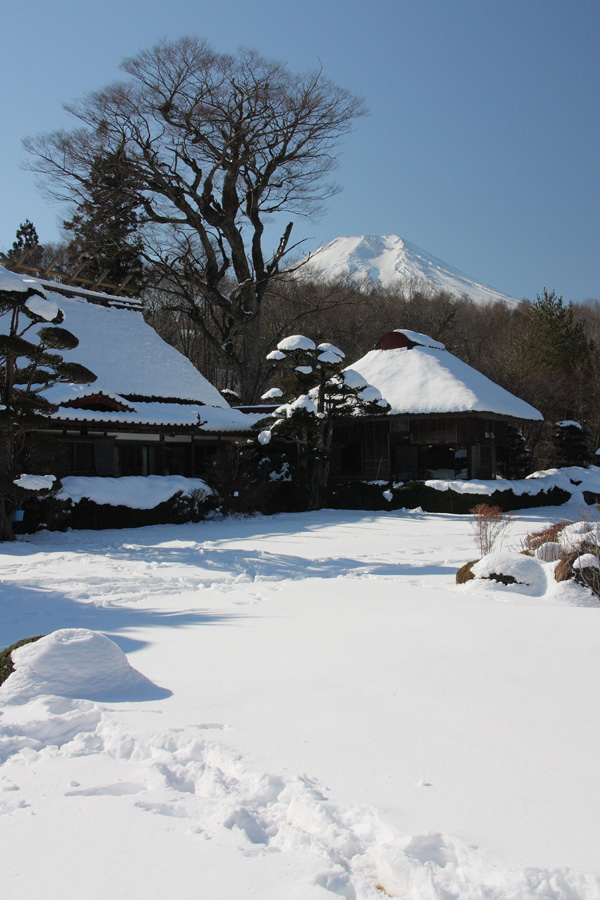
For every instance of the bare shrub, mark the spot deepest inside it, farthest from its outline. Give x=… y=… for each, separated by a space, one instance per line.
x=548 y=535
x=489 y=525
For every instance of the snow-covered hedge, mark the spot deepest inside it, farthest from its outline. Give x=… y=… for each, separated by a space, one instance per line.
x=380 y=495
x=128 y=502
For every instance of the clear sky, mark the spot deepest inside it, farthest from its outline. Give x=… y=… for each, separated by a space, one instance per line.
x=482 y=145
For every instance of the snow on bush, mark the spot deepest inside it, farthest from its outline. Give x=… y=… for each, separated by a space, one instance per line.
x=574 y=479
x=326 y=347
x=75 y=663
x=133 y=491
x=295 y=342
x=587 y=561
x=272 y=394
x=45 y=308
x=35 y=482
x=328 y=356
x=301 y=402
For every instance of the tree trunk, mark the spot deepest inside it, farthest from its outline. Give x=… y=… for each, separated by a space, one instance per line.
x=7 y=509
x=319 y=479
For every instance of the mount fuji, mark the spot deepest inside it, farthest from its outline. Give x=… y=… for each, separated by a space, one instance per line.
x=389 y=261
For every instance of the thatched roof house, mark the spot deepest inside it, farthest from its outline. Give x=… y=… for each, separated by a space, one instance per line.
x=446 y=419
x=150 y=411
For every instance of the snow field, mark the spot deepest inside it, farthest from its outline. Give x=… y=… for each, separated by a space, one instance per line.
x=343 y=717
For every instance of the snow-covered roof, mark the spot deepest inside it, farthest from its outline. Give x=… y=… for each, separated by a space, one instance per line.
x=426 y=379
x=164 y=414
x=423 y=339
x=121 y=349
x=10 y=281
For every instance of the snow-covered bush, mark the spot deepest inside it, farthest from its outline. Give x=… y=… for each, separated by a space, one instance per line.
x=535 y=539
x=367 y=495
x=574 y=546
x=570 y=444
x=128 y=502
x=6 y=661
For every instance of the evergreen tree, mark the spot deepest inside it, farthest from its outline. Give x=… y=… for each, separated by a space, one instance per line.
x=105 y=224
x=514 y=458
x=26 y=239
x=558 y=336
x=570 y=445
x=30 y=336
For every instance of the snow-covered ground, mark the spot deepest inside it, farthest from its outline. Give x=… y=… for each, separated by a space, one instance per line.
x=324 y=714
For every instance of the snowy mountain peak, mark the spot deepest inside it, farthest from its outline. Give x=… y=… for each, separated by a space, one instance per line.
x=390 y=261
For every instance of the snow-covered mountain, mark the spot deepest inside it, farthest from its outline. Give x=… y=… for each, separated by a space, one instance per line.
x=390 y=261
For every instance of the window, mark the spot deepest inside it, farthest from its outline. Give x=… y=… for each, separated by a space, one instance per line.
x=80 y=457
x=138 y=459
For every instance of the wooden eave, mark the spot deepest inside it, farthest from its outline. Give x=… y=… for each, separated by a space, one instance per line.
x=463 y=414
x=142 y=428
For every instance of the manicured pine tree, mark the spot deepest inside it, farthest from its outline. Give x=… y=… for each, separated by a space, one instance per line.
x=319 y=392
x=30 y=338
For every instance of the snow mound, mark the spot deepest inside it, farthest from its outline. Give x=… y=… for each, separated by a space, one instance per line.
x=272 y=394
x=75 y=663
x=529 y=574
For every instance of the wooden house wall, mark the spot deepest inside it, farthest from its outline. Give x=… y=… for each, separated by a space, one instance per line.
x=371 y=449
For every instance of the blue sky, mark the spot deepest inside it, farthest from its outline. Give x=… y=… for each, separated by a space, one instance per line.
x=482 y=143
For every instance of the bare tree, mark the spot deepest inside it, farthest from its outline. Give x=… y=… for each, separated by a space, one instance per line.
x=217 y=145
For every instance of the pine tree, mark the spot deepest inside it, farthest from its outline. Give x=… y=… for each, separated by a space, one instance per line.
x=105 y=223
x=558 y=337
x=320 y=391
x=26 y=239
x=30 y=338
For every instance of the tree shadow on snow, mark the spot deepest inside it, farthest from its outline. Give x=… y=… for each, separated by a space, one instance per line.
x=26 y=611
